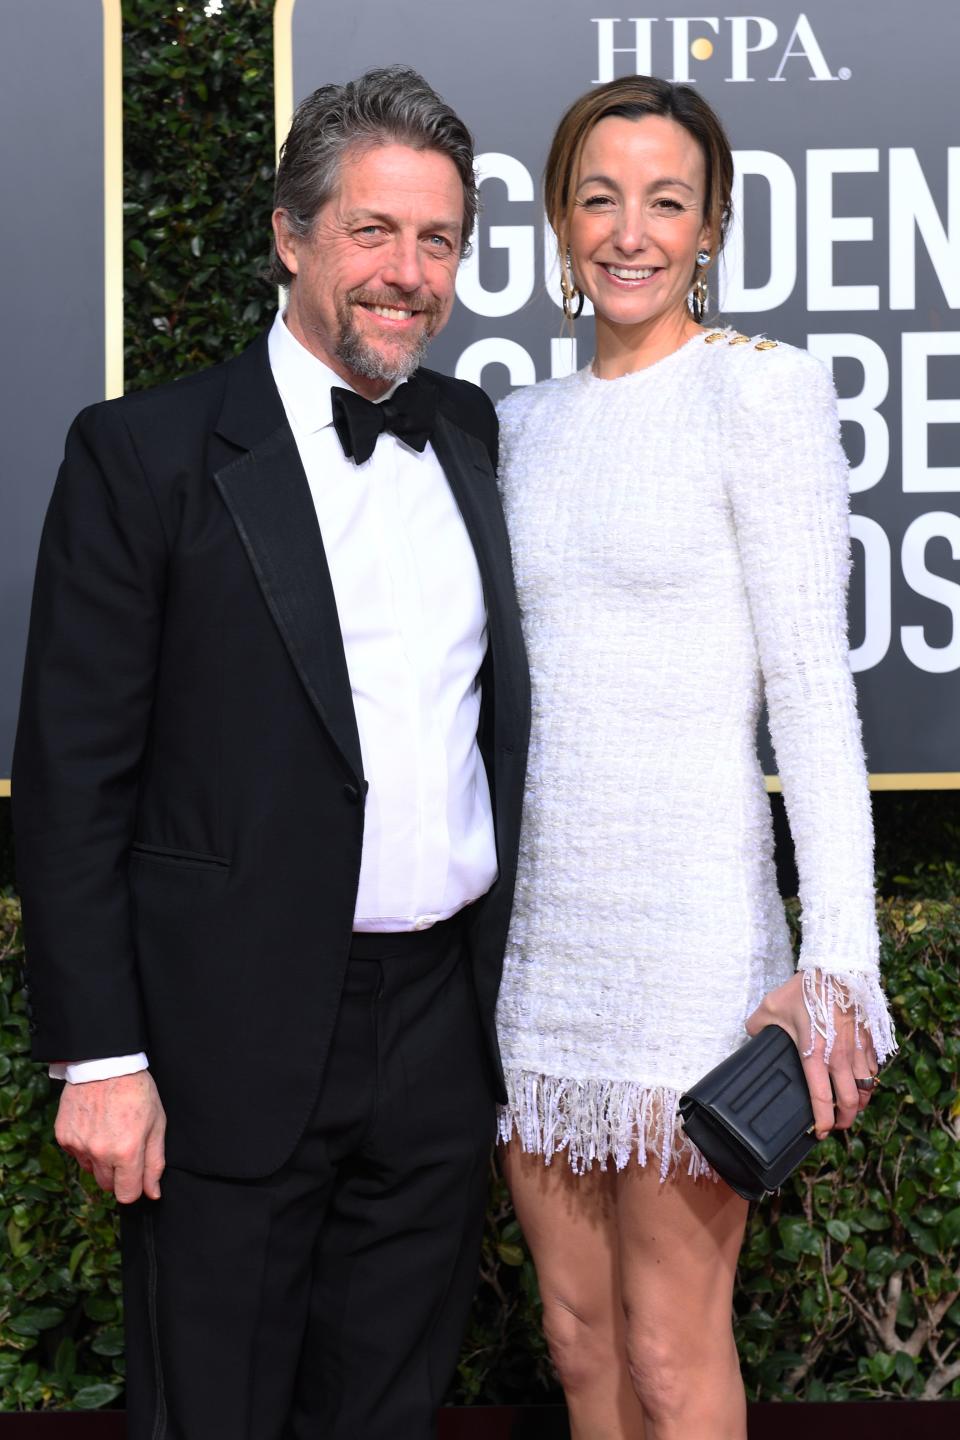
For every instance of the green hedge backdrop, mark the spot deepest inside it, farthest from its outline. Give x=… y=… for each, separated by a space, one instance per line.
x=850 y=1278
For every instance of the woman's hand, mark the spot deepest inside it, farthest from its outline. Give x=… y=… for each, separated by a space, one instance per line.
x=787 y=1007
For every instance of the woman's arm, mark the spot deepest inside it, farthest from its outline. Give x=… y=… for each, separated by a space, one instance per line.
x=788 y=489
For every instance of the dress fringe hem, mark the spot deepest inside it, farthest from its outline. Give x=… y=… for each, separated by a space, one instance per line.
x=596 y=1121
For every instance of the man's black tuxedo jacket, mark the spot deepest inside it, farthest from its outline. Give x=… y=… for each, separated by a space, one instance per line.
x=188 y=784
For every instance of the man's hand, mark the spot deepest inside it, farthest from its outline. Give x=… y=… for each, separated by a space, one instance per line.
x=114 y=1129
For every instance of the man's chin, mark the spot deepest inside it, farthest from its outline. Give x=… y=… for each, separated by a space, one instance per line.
x=384 y=361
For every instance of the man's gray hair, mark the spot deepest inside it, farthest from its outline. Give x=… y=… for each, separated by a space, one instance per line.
x=393 y=105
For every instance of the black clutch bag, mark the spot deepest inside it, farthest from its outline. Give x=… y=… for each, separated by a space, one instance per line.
x=751 y=1115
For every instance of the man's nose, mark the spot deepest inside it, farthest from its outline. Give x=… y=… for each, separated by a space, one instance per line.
x=404 y=264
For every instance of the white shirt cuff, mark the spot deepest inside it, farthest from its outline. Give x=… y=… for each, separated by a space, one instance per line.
x=77 y=1072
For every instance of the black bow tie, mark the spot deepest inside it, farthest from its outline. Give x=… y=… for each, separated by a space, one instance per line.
x=409 y=413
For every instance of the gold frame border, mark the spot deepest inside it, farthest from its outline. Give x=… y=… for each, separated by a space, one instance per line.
x=893 y=780
x=112 y=198
x=282 y=69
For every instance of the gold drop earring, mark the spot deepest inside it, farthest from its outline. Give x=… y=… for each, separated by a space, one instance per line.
x=568 y=289
x=700 y=294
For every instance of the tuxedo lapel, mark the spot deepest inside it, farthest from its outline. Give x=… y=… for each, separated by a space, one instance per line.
x=266 y=491
x=470 y=475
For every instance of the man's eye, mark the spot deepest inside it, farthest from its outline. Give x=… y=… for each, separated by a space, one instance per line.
x=440 y=242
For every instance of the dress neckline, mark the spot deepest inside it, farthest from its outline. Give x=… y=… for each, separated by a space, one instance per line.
x=657 y=367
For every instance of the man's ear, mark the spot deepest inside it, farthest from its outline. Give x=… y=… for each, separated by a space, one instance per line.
x=285 y=240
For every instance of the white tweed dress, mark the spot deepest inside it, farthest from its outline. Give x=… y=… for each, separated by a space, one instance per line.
x=680 y=538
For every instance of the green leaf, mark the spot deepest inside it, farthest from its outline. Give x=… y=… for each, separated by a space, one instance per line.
x=881 y=1259
x=923 y=1238
x=905 y=1366
x=799 y=1238
x=872 y=1219
x=948 y=1230
x=905 y=1199
x=52 y=1161
x=510 y=1254
x=838 y=1230
x=927 y=1078
x=880 y=1367
x=94 y=1397
x=108 y=1342
x=65 y=1362
x=35 y=1319
x=76 y=1255
x=15 y=1239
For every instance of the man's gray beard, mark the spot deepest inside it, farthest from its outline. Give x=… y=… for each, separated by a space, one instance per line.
x=358 y=355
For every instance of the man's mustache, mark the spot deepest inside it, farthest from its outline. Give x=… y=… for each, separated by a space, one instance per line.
x=398 y=300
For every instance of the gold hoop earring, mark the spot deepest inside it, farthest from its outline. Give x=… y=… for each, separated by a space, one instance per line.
x=700 y=294
x=569 y=291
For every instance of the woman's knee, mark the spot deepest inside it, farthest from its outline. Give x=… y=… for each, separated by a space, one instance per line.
x=670 y=1365
x=658 y=1369
x=583 y=1353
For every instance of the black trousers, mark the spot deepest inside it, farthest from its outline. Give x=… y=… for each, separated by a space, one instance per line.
x=328 y=1300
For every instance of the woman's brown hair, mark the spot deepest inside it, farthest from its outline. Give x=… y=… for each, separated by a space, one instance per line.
x=633 y=97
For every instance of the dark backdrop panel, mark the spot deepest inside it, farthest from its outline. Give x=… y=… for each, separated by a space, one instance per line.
x=848 y=240
x=51 y=281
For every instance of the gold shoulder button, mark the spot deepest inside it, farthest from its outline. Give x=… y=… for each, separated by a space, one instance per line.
x=766 y=345
x=739 y=340
x=713 y=337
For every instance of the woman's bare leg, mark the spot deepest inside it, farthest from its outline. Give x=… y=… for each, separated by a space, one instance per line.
x=679 y=1243
x=570 y=1224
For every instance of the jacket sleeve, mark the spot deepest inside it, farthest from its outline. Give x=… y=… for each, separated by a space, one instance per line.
x=788 y=488
x=85 y=711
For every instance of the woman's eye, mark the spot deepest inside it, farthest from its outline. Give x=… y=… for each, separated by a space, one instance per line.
x=665 y=204
x=595 y=202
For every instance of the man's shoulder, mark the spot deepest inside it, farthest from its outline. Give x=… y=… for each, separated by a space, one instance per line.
x=198 y=394
x=466 y=405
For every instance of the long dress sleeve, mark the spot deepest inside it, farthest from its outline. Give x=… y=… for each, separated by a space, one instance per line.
x=788 y=489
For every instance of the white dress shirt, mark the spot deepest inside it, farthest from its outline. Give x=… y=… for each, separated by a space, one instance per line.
x=414 y=631
x=414 y=628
